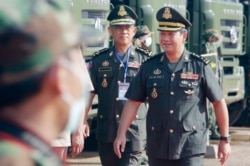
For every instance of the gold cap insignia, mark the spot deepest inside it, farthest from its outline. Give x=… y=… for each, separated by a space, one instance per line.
x=122 y=12
x=105 y=63
x=157 y=72
x=167 y=14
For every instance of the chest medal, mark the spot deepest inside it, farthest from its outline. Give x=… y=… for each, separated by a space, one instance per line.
x=154 y=94
x=104 y=83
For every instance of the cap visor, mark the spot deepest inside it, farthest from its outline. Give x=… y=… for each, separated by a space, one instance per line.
x=168 y=28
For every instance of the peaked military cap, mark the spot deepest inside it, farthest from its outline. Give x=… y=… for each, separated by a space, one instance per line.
x=122 y=15
x=171 y=20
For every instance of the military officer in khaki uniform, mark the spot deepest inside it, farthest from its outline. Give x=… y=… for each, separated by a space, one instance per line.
x=176 y=84
x=112 y=70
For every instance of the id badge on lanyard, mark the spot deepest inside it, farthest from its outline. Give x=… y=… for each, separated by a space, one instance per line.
x=123 y=86
x=122 y=89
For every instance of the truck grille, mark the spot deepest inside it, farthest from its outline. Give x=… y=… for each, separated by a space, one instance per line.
x=92 y=14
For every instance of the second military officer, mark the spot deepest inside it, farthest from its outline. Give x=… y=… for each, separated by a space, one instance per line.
x=176 y=84
x=112 y=70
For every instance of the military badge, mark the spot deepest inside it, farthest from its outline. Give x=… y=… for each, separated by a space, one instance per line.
x=167 y=14
x=157 y=71
x=104 y=83
x=105 y=63
x=189 y=92
x=154 y=94
x=134 y=64
x=122 y=12
x=189 y=76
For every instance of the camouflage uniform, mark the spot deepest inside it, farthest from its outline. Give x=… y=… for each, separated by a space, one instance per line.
x=213 y=40
x=33 y=34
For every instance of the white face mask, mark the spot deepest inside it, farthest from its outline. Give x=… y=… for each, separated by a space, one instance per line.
x=148 y=41
x=76 y=108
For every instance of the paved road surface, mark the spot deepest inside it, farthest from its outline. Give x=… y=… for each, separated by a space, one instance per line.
x=240 y=152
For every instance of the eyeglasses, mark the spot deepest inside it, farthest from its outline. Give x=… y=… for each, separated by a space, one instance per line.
x=122 y=27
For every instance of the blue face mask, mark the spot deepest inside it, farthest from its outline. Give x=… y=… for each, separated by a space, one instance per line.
x=75 y=111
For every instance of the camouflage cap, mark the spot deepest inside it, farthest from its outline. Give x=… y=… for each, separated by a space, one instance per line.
x=212 y=33
x=32 y=35
x=142 y=30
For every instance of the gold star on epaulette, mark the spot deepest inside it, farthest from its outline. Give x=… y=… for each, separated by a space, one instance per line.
x=99 y=52
x=145 y=51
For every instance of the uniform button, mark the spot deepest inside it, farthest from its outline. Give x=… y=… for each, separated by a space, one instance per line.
x=153 y=128
x=171 y=130
x=137 y=116
x=173 y=74
x=105 y=75
x=172 y=93
x=117 y=116
x=171 y=111
x=189 y=84
x=101 y=116
x=193 y=128
x=155 y=84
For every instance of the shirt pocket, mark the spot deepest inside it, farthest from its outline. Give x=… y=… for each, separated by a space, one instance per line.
x=105 y=77
x=156 y=88
x=189 y=90
x=194 y=131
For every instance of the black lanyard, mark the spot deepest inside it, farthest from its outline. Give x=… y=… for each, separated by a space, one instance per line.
x=33 y=141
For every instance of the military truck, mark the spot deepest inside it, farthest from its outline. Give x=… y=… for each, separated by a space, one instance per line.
x=230 y=17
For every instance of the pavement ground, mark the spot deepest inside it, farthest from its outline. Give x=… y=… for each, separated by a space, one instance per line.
x=240 y=151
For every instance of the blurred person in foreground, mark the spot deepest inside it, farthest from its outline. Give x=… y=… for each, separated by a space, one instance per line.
x=111 y=71
x=43 y=82
x=176 y=83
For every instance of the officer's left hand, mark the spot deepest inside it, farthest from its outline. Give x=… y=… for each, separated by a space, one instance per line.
x=224 y=151
x=119 y=145
x=77 y=142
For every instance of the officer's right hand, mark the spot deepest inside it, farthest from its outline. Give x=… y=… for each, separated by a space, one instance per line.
x=86 y=130
x=119 y=145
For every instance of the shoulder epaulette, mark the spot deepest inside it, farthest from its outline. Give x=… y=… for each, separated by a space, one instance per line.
x=201 y=58
x=144 y=51
x=152 y=57
x=99 y=52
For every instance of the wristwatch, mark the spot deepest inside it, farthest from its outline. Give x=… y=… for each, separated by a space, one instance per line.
x=226 y=139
